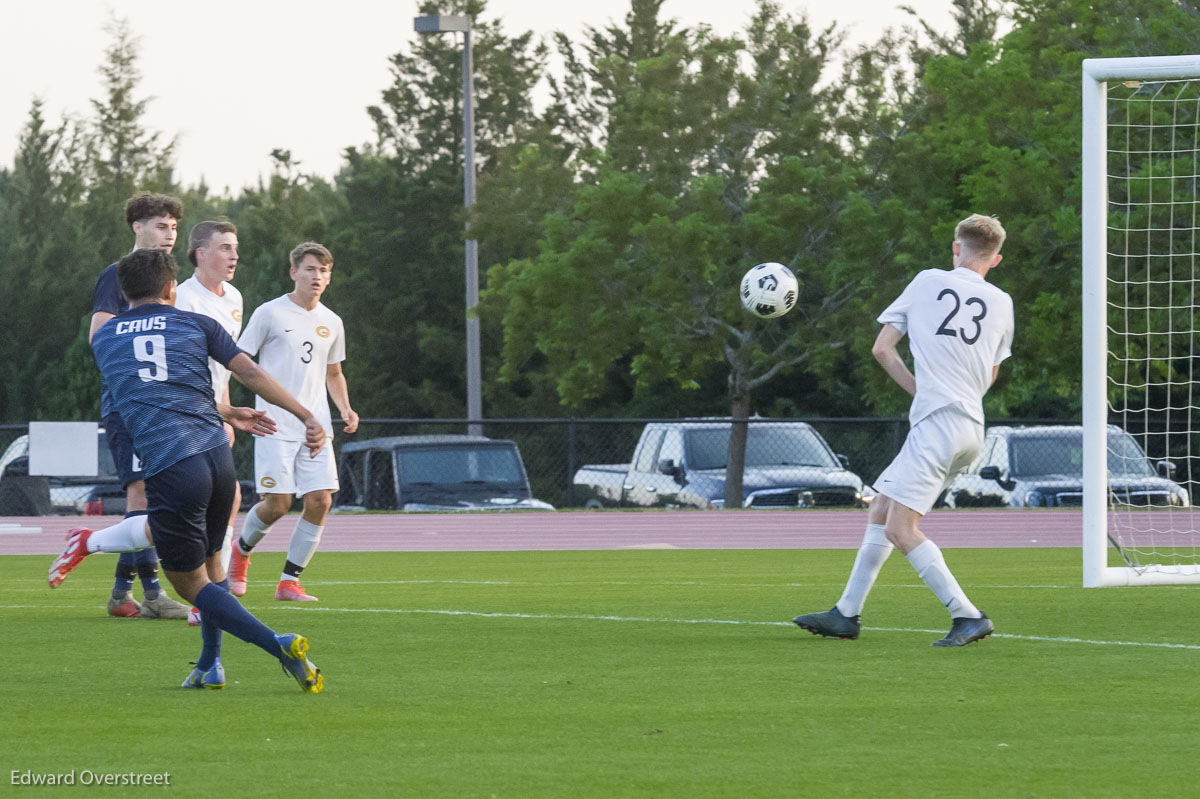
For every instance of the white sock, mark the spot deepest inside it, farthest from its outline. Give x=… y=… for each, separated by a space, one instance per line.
x=253 y=529
x=871 y=556
x=931 y=567
x=304 y=542
x=227 y=549
x=127 y=535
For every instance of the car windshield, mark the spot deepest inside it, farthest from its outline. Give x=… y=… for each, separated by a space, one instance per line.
x=1062 y=453
x=765 y=446
x=453 y=466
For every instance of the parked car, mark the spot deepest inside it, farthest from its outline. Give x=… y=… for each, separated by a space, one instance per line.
x=1043 y=467
x=23 y=495
x=682 y=464
x=434 y=473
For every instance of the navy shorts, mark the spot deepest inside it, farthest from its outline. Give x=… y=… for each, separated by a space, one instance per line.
x=189 y=506
x=129 y=466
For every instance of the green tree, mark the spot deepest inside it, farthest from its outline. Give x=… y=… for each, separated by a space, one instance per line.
x=113 y=155
x=124 y=155
x=994 y=127
x=41 y=233
x=401 y=232
x=704 y=167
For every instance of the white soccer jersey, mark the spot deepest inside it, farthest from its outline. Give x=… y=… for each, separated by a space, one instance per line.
x=191 y=295
x=959 y=327
x=296 y=346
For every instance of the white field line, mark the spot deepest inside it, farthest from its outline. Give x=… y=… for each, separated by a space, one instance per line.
x=737 y=622
x=649 y=620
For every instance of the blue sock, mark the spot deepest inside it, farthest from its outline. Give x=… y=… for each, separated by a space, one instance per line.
x=218 y=605
x=146 y=562
x=210 y=637
x=123 y=579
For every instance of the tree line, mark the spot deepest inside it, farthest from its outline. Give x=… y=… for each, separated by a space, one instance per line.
x=615 y=221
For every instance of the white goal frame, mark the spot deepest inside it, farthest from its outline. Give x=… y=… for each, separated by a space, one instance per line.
x=1096 y=72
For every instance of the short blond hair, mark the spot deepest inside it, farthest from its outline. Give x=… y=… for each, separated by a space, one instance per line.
x=982 y=235
x=323 y=255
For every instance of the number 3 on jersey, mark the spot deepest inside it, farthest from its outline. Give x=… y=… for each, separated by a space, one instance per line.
x=152 y=350
x=946 y=330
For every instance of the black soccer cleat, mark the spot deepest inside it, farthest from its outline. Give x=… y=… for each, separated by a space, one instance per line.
x=831 y=624
x=965 y=630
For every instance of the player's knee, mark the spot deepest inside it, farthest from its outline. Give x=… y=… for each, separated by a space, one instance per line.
x=877 y=512
x=318 y=502
x=273 y=507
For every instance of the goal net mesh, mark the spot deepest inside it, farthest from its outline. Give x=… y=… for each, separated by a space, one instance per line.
x=1153 y=300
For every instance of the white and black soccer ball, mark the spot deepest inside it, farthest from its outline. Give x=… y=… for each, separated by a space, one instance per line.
x=769 y=290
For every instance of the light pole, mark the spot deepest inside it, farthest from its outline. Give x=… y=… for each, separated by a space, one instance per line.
x=462 y=24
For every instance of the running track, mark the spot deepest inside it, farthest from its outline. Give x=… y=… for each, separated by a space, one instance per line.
x=563 y=530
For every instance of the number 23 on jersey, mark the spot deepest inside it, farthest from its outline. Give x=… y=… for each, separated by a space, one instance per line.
x=972 y=303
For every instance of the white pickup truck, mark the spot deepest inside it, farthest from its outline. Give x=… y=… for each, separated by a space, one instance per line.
x=682 y=464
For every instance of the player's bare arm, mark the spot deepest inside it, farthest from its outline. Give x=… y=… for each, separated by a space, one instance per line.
x=255 y=378
x=889 y=358
x=98 y=320
x=248 y=420
x=995 y=374
x=335 y=382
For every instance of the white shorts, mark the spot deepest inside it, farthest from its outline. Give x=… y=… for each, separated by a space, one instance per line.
x=937 y=449
x=284 y=467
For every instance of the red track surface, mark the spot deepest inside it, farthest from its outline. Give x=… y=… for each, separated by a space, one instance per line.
x=614 y=530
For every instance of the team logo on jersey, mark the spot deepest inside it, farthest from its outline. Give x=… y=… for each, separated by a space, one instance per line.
x=323 y=331
x=267 y=482
x=237 y=314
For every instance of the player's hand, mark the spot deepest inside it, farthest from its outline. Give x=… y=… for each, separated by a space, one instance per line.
x=350 y=419
x=249 y=420
x=314 y=436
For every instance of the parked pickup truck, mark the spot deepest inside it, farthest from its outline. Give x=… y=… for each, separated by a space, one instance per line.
x=682 y=464
x=434 y=473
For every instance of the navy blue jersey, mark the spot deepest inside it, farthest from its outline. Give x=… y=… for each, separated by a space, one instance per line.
x=155 y=360
x=109 y=298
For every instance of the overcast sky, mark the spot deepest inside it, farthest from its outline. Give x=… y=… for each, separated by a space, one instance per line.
x=235 y=79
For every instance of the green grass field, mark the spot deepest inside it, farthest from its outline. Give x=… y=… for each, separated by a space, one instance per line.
x=600 y=674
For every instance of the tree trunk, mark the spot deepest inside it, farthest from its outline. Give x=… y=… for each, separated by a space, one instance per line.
x=739 y=410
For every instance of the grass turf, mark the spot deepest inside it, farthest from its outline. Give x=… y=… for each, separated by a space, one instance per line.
x=641 y=673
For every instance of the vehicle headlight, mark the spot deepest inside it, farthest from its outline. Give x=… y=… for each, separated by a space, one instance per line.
x=1034 y=499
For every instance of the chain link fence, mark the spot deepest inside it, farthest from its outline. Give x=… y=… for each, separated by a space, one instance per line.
x=554 y=451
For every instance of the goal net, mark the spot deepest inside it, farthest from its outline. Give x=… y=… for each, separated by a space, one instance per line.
x=1141 y=317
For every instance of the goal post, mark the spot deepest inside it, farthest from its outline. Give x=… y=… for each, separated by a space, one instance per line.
x=1141 y=304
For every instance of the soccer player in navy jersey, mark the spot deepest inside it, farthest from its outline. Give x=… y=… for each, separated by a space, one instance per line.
x=153 y=218
x=154 y=359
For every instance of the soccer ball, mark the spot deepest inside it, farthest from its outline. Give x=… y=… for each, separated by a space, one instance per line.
x=769 y=290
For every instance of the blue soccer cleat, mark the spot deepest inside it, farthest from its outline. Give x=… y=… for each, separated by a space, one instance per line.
x=213 y=678
x=965 y=630
x=831 y=624
x=294 y=659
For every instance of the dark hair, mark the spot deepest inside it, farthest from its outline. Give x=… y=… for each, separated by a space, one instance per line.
x=203 y=232
x=146 y=205
x=143 y=273
x=323 y=255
